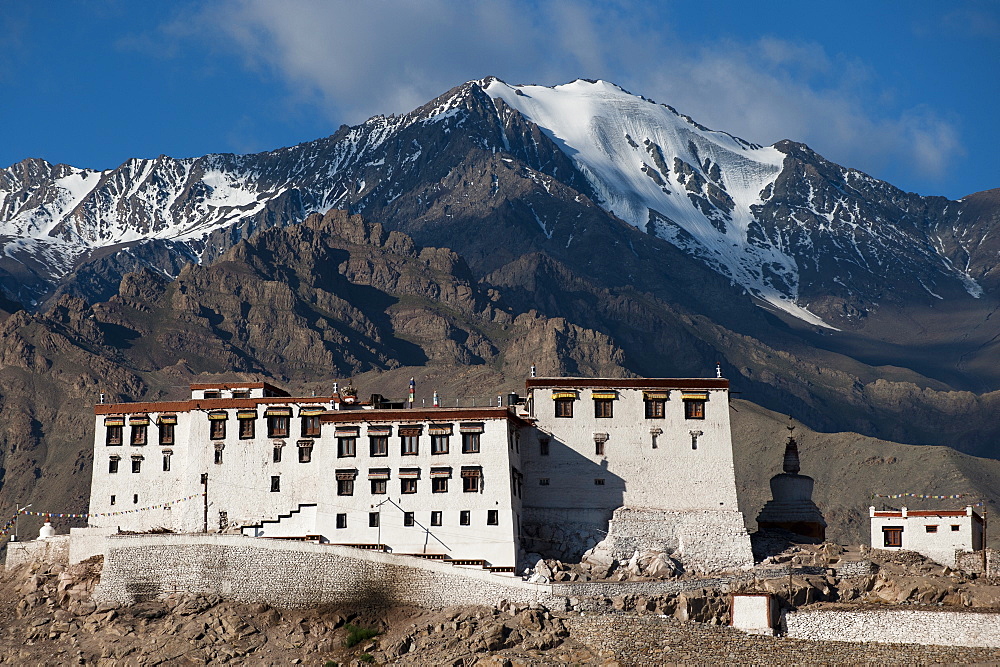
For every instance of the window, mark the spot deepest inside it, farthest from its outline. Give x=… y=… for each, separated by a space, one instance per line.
x=599 y=447
x=439 y=485
x=114 y=435
x=954 y=528
x=694 y=409
x=135 y=498
x=379 y=487
x=408 y=486
x=470 y=443
x=409 y=445
x=439 y=444
x=341 y=521
x=599 y=481
x=166 y=434
x=603 y=408
x=543 y=447
x=139 y=435
x=217 y=429
x=277 y=426
x=277 y=455
x=465 y=518
x=379 y=445
x=564 y=407
x=247 y=429
x=656 y=408
x=470 y=481
x=543 y=481
x=435 y=518
x=223 y=520
x=275 y=483
x=241 y=393
x=492 y=518
x=218 y=456
x=407 y=518
x=166 y=463
x=931 y=529
x=113 y=466
x=310 y=426
x=892 y=536
x=136 y=465
x=213 y=394
x=345 y=487
x=112 y=500
x=347 y=447
x=373 y=520
x=305 y=452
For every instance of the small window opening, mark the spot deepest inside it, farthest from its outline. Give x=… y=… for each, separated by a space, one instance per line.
x=341 y=521
x=543 y=447
x=373 y=519
x=275 y=483
x=465 y=518
x=112 y=500
x=470 y=443
x=435 y=518
x=407 y=519
x=492 y=518
x=931 y=529
x=544 y=481
x=599 y=481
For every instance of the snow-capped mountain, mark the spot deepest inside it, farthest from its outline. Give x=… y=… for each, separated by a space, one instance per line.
x=816 y=240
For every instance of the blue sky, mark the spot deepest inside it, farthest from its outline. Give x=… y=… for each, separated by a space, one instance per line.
x=906 y=91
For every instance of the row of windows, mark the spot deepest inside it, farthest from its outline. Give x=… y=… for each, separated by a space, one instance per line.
x=113 y=464
x=892 y=536
x=655 y=408
x=436 y=519
x=379 y=487
x=277 y=427
x=409 y=445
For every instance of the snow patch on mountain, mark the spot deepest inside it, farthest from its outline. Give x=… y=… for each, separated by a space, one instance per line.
x=663 y=173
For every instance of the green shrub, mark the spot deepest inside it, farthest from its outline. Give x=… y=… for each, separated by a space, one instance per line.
x=356 y=635
x=366 y=657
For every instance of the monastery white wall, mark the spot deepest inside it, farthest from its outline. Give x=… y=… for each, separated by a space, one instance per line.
x=283 y=574
x=670 y=475
x=942 y=628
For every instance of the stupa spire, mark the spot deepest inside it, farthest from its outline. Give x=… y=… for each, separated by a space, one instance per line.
x=791 y=462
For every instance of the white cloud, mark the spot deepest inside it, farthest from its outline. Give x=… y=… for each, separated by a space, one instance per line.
x=360 y=59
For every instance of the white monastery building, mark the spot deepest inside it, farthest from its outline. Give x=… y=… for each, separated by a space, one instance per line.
x=937 y=534
x=646 y=462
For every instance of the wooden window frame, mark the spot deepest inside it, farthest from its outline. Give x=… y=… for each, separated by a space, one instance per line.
x=311 y=426
x=439 y=444
x=277 y=426
x=217 y=429
x=408 y=485
x=471 y=443
x=564 y=408
x=694 y=408
x=655 y=408
x=247 y=429
x=138 y=435
x=378 y=445
x=604 y=408
x=345 y=487
x=436 y=517
x=165 y=434
x=892 y=536
x=114 y=436
x=465 y=518
x=409 y=445
x=380 y=487
x=439 y=485
x=347 y=447
x=492 y=517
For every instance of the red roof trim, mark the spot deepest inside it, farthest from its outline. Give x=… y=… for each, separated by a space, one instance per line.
x=206 y=404
x=629 y=383
x=425 y=415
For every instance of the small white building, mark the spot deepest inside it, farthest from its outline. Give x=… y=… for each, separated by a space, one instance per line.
x=937 y=534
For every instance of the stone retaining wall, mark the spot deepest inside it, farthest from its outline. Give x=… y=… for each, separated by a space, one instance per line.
x=296 y=574
x=972 y=561
x=53 y=549
x=942 y=628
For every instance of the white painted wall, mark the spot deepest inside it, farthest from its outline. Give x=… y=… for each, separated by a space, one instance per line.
x=940 y=545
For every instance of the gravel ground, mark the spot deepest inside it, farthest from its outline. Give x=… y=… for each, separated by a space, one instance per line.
x=645 y=640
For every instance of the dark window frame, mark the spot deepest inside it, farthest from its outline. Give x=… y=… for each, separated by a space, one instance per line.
x=492 y=517
x=604 y=408
x=345 y=487
x=440 y=444
x=311 y=426
x=139 y=435
x=277 y=426
x=465 y=518
x=114 y=436
x=892 y=536
x=217 y=429
x=656 y=408
x=247 y=429
x=471 y=443
x=409 y=445
x=694 y=408
x=408 y=485
x=165 y=434
x=439 y=485
x=378 y=445
x=564 y=408
x=380 y=487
